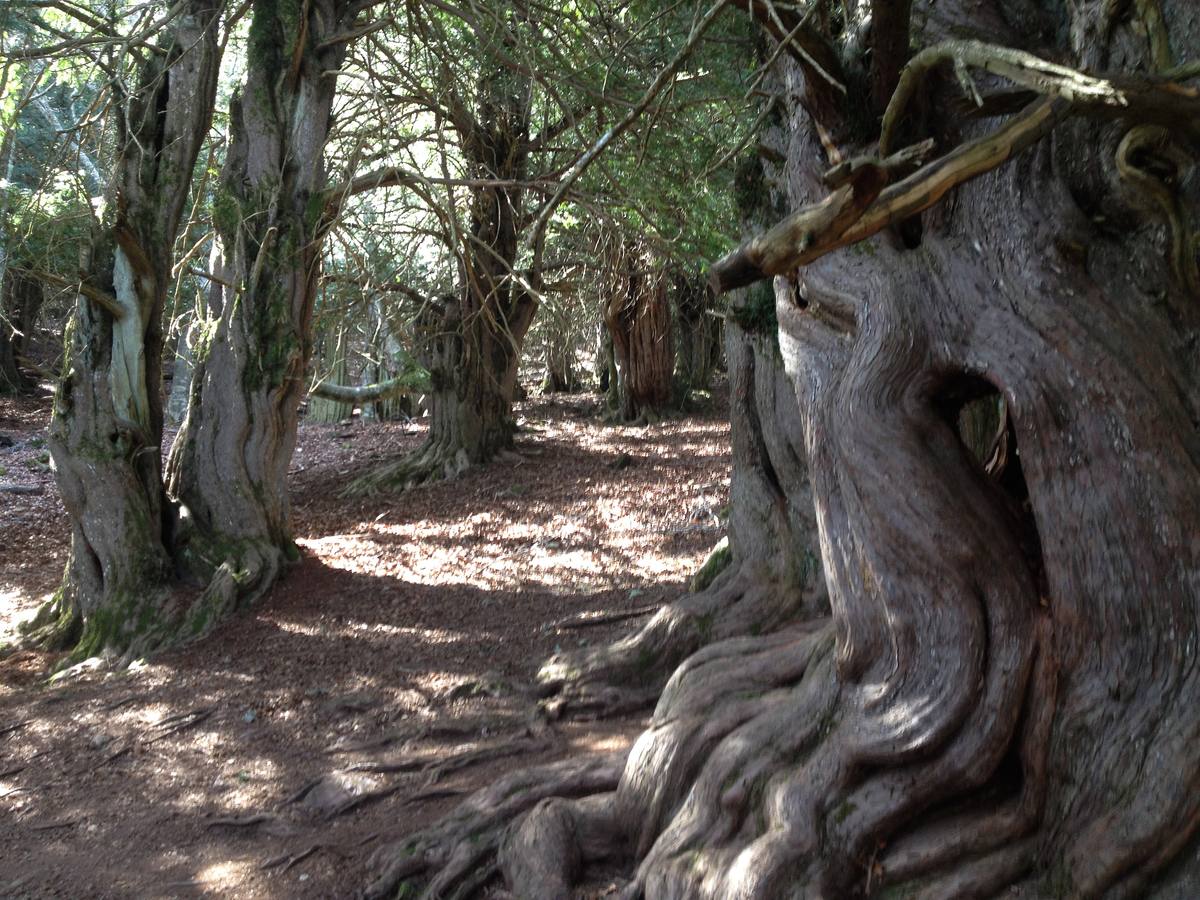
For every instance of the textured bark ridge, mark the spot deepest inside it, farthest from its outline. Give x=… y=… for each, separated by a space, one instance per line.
x=1003 y=699
x=107 y=423
x=228 y=466
x=638 y=317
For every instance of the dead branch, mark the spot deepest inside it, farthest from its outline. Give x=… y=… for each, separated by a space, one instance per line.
x=105 y=301
x=368 y=393
x=1149 y=99
x=863 y=207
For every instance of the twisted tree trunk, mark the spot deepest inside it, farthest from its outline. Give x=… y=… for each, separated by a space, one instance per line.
x=228 y=466
x=1003 y=700
x=107 y=423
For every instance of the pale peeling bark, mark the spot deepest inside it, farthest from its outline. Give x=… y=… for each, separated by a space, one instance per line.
x=1003 y=701
x=107 y=423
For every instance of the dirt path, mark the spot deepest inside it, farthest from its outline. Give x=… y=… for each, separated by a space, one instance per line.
x=408 y=637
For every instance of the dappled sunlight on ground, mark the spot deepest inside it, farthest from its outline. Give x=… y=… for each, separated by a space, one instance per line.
x=408 y=635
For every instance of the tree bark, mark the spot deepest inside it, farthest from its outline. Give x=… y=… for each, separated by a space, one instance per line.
x=472 y=341
x=228 y=466
x=108 y=418
x=638 y=316
x=1003 y=700
x=697 y=336
x=20 y=302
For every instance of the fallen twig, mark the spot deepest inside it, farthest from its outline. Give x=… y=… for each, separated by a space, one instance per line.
x=180 y=722
x=21 y=489
x=51 y=826
x=241 y=822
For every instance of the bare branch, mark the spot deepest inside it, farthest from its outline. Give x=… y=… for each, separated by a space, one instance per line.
x=842 y=218
x=1155 y=99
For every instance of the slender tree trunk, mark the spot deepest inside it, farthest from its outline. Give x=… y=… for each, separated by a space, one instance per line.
x=20 y=303
x=107 y=424
x=1003 y=701
x=228 y=467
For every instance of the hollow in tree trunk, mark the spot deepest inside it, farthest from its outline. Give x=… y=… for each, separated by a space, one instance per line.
x=1003 y=701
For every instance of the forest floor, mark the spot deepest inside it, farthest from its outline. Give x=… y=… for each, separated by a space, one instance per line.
x=406 y=639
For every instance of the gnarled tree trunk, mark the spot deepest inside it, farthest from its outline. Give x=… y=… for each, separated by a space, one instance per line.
x=108 y=417
x=228 y=467
x=1003 y=701
x=471 y=342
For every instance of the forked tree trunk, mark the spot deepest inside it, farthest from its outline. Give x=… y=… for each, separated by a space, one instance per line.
x=107 y=423
x=638 y=317
x=1004 y=700
x=228 y=467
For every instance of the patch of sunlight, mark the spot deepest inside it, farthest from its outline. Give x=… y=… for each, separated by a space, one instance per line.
x=575 y=561
x=225 y=874
x=425 y=635
x=650 y=565
x=600 y=743
x=298 y=628
x=9 y=600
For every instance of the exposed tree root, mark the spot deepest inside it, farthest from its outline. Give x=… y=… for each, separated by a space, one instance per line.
x=629 y=674
x=157 y=616
x=55 y=626
x=460 y=851
x=431 y=462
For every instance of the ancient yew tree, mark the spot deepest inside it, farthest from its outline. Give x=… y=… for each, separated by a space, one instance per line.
x=108 y=418
x=229 y=464
x=158 y=558
x=1002 y=696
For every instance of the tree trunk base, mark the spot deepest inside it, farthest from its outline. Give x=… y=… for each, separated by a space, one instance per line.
x=749 y=782
x=729 y=738
x=55 y=626
x=629 y=674
x=432 y=462
x=157 y=617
